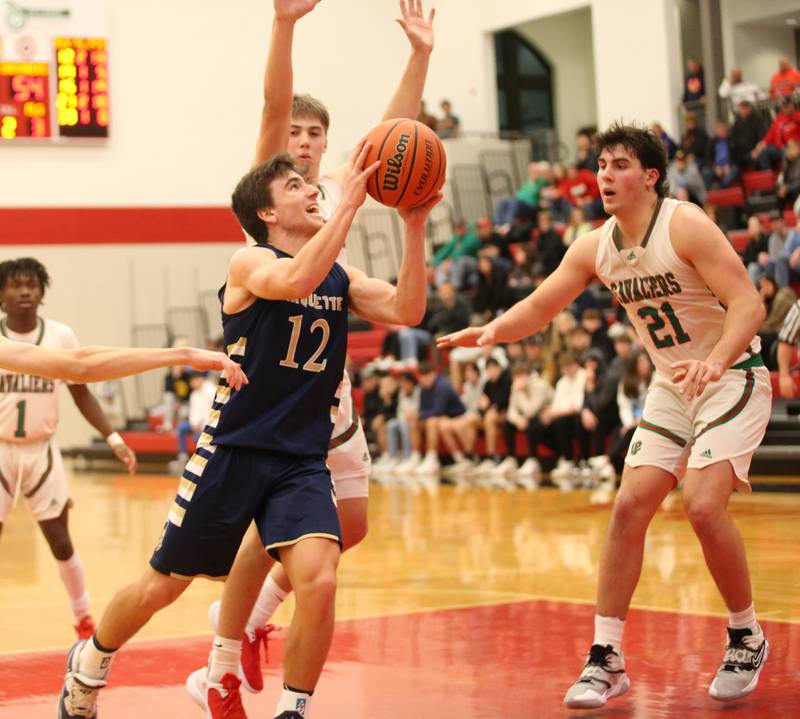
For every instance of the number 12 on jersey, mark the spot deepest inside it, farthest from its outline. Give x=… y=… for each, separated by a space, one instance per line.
x=311 y=365
x=655 y=323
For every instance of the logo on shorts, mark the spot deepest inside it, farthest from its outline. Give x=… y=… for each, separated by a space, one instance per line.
x=636 y=446
x=706 y=454
x=300 y=707
x=160 y=542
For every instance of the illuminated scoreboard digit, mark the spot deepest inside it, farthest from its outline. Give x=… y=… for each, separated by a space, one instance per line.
x=82 y=108
x=24 y=100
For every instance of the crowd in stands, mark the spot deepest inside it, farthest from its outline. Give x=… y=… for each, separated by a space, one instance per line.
x=571 y=397
x=446 y=126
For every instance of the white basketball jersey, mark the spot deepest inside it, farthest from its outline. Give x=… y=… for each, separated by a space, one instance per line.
x=29 y=404
x=675 y=314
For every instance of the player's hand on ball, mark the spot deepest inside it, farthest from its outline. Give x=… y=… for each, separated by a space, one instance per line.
x=293 y=9
x=127 y=456
x=354 y=189
x=693 y=376
x=416 y=26
x=204 y=360
x=419 y=215
x=469 y=337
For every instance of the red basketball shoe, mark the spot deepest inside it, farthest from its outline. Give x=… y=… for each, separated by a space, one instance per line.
x=252 y=677
x=85 y=627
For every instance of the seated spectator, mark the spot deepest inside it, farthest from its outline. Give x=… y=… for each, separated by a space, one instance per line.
x=694 y=87
x=448 y=125
x=524 y=204
x=577 y=226
x=580 y=188
x=756 y=253
x=631 y=394
x=669 y=143
x=768 y=153
x=559 y=331
x=550 y=247
x=530 y=394
x=594 y=323
x=787 y=267
x=450 y=312
x=437 y=401
x=460 y=433
x=455 y=261
x=426 y=118
x=402 y=430
x=202 y=389
x=175 y=397
x=494 y=244
x=539 y=358
x=385 y=408
x=520 y=279
x=734 y=89
x=683 y=173
x=746 y=132
x=585 y=156
x=776 y=247
x=599 y=415
x=777 y=302
x=561 y=418
x=493 y=405
x=788 y=338
x=694 y=141
x=785 y=81
x=788 y=186
x=719 y=170
x=491 y=296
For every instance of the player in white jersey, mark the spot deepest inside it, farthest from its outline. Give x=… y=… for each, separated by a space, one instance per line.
x=299 y=125
x=688 y=295
x=30 y=462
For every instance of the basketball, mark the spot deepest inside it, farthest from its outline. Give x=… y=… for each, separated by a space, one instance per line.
x=412 y=163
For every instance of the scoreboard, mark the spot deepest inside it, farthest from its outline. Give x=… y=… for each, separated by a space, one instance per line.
x=54 y=79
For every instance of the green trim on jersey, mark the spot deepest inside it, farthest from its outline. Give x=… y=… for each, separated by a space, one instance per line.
x=39 y=325
x=340 y=439
x=663 y=431
x=617 y=235
x=749 y=383
x=755 y=361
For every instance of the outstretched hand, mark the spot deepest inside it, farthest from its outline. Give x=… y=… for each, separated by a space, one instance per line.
x=204 y=360
x=354 y=187
x=419 y=214
x=293 y=9
x=693 y=376
x=416 y=26
x=469 y=337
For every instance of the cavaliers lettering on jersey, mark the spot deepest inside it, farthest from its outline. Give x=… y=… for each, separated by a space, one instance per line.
x=28 y=403
x=675 y=314
x=293 y=353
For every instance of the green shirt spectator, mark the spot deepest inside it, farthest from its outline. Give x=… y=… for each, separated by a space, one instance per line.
x=465 y=241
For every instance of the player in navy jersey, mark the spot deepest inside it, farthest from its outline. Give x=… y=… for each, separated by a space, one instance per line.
x=261 y=457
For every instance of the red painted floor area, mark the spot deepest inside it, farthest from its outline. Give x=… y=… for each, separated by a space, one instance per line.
x=503 y=661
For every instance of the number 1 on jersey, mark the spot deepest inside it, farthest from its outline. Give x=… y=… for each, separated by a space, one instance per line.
x=311 y=365
x=20 y=419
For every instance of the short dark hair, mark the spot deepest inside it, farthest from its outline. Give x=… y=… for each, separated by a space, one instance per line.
x=307 y=106
x=426 y=367
x=253 y=194
x=10 y=269
x=642 y=143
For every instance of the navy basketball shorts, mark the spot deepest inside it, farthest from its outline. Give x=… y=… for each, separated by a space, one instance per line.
x=223 y=489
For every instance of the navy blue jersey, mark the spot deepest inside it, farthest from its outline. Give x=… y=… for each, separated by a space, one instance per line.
x=293 y=353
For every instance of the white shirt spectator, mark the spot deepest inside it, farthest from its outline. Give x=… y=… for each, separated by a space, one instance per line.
x=568 y=395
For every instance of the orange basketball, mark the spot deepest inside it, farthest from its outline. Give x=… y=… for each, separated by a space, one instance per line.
x=412 y=163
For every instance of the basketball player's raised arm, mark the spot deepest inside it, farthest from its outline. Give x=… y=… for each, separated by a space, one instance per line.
x=96 y=364
x=276 y=114
x=379 y=301
x=698 y=241
x=533 y=313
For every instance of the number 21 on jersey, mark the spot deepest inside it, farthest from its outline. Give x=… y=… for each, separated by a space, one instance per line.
x=655 y=323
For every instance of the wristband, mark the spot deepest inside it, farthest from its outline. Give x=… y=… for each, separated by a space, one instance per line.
x=114 y=440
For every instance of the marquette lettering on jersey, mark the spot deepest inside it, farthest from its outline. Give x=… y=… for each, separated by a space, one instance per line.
x=293 y=352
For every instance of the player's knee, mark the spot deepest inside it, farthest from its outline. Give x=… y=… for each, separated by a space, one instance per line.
x=629 y=513
x=703 y=515
x=157 y=591
x=317 y=589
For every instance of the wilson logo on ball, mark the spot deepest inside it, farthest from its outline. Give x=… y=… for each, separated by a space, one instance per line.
x=413 y=163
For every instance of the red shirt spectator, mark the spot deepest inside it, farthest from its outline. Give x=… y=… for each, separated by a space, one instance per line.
x=785 y=80
x=579 y=186
x=785 y=127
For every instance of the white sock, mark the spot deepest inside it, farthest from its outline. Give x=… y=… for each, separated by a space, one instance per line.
x=458 y=457
x=430 y=454
x=72 y=575
x=224 y=658
x=608 y=630
x=95 y=660
x=294 y=700
x=746 y=619
x=269 y=599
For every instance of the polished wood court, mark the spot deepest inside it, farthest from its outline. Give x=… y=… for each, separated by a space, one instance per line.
x=455 y=597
